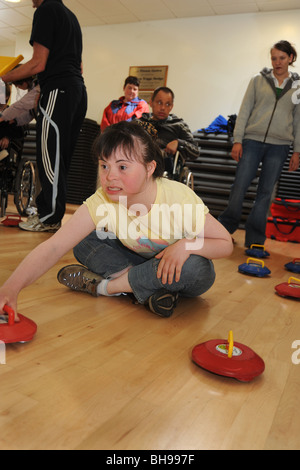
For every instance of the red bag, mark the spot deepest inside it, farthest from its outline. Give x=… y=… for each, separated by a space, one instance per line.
x=284 y=230
x=286 y=208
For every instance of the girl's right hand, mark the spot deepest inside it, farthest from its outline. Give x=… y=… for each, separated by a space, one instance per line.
x=9 y=299
x=172 y=259
x=237 y=152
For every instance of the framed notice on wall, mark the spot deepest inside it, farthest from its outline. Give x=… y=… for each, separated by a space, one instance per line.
x=151 y=77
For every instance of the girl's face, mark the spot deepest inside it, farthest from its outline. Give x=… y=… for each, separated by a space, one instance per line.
x=120 y=176
x=280 y=62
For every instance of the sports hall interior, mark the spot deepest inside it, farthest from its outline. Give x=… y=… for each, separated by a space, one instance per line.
x=106 y=374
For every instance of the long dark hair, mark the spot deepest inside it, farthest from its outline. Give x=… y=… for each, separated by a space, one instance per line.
x=135 y=143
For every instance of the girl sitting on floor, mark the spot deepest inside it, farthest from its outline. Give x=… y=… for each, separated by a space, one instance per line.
x=139 y=233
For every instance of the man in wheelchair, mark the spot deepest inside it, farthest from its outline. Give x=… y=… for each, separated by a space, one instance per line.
x=11 y=144
x=173 y=135
x=12 y=121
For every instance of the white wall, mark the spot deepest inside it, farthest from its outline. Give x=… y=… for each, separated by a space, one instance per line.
x=7 y=51
x=210 y=59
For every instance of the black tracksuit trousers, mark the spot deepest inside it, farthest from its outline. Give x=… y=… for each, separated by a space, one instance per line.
x=60 y=118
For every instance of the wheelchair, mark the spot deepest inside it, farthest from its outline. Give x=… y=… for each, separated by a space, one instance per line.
x=177 y=170
x=17 y=177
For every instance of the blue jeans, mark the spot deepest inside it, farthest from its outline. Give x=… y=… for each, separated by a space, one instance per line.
x=272 y=158
x=108 y=256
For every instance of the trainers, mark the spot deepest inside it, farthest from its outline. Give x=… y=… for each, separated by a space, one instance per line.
x=78 y=278
x=163 y=302
x=31 y=210
x=33 y=224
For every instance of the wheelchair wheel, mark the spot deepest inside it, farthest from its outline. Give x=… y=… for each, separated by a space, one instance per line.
x=187 y=177
x=24 y=186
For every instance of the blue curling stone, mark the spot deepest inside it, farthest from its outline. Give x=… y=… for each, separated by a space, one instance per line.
x=254 y=268
x=257 y=253
x=293 y=266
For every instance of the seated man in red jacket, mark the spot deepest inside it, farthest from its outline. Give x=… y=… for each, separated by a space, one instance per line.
x=127 y=107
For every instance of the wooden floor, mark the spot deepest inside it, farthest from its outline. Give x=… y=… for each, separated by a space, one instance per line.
x=107 y=374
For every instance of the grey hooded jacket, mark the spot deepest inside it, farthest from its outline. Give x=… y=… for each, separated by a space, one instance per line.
x=265 y=117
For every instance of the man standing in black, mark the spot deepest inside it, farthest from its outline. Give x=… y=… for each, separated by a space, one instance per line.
x=56 y=39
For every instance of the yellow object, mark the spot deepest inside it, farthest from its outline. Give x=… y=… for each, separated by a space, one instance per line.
x=293 y=279
x=256 y=261
x=230 y=344
x=8 y=63
x=258 y=246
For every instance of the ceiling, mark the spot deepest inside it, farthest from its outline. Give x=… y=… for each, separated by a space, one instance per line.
x=17 y=17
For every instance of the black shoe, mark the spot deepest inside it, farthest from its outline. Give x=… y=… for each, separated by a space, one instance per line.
x=163 y=302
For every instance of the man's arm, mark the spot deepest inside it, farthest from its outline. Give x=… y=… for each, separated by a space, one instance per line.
x=35 y=65
x=141 y=108
x=105 y=122
x=187 y=146
x=20 y=110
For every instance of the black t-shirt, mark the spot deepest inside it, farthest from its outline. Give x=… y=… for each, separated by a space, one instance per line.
x=57 y=28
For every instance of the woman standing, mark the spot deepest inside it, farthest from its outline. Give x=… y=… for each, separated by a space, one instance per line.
x=267 y=124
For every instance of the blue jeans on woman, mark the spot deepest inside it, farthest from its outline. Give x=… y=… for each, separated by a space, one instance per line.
x=107 y=256
x=272 y=157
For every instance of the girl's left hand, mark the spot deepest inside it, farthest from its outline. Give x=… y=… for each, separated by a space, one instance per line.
x=294 y=162
x=172 y=259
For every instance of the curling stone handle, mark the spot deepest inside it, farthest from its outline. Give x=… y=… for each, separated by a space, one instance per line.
x=230 y=344
x=10 y=313
x=258 y=246
x=296 y=260
x=293 y=279
x=256 y=261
